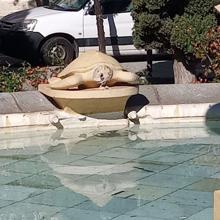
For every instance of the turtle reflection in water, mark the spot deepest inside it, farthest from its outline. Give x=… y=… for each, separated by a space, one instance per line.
x=91 y=70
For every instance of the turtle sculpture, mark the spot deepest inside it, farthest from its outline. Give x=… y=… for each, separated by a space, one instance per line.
x=90 y=70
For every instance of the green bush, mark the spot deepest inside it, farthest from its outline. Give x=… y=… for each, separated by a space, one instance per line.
x=190 y=31
x=13 y=79
x=174 y=25
x=212 y=69
x=157 y=20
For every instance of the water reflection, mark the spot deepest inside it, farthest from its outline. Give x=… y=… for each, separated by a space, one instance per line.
x=98 y=183
x=76 y=157
x=168 y=131
x=40 y=141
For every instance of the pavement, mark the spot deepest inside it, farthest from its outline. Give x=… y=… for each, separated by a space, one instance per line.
x=20 y=102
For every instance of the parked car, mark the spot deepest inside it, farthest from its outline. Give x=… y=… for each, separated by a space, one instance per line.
x=66 y=28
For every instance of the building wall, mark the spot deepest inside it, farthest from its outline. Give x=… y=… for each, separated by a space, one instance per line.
x=9 y=6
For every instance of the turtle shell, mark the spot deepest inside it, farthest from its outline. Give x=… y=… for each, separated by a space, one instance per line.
x=88 y=60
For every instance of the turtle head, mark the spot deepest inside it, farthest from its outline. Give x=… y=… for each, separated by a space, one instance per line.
x=102 y=73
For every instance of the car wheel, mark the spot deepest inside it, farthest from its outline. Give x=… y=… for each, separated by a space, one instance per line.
x=57 y=51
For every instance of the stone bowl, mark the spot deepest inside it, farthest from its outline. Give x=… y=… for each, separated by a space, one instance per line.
x=91 y=101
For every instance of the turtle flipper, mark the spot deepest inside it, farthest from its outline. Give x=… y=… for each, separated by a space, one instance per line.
x=67 y=83
x=124 y=76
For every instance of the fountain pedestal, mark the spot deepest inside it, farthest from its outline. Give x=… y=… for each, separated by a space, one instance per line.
x=90 y=101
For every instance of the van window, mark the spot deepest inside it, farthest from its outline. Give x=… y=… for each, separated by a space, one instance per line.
x=116 y=6
x=74 y=5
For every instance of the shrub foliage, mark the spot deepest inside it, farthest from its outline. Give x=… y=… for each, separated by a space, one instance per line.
x=14 y=79
x=183 y=26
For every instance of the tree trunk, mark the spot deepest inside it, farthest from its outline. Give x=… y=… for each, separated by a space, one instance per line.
x=100 y=27
x=38 y=2
x=181 y=74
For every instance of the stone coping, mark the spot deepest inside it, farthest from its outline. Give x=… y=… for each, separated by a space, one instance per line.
x=24 y=102
x=169 y=94
x=66 y=119
x=167 y=104
x=172 y=94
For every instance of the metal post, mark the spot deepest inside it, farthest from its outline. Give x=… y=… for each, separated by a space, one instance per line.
x=100 y=27
x=149 y=62
x=38 y=3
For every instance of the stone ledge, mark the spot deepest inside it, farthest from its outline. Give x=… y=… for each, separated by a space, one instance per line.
x=25 y=110
x=53 y=120
x=179 y=113
x=172 y=94
x=23 y=102
x=34 y=101
x=149 y=115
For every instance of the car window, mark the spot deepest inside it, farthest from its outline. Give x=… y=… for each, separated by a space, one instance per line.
x=69 y=5
x=116 y=6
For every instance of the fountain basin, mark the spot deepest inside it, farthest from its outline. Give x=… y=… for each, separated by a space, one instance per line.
x=90 y=101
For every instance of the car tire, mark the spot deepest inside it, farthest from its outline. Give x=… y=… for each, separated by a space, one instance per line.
x=57 y=51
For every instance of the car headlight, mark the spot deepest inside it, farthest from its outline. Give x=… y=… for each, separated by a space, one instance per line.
x=26 y=25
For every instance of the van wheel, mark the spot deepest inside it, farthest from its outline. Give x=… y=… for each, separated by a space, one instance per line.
x=57 y=51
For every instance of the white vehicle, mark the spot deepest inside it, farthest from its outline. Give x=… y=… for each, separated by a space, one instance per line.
x=66 y=28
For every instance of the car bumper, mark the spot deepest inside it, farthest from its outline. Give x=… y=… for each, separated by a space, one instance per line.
x=20 y=44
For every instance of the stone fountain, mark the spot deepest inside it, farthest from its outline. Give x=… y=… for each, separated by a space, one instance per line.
x=92 y=83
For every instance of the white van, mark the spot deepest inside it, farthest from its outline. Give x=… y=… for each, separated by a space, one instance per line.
x=66 y=28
